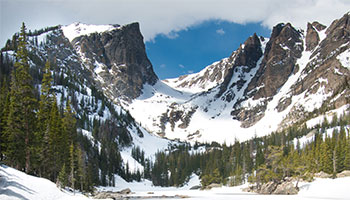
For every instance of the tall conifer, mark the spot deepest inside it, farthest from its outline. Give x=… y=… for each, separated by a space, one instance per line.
x=45 y=105
x=21 y=119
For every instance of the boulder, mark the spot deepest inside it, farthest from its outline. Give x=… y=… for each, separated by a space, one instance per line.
x=125 y=191
x=107 y=195
x=267 y=188
x=322 y=175
x=196 y=187
x=343 y=174
x=286 y=188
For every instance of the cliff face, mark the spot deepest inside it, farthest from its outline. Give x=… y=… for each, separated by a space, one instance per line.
x=118 y=60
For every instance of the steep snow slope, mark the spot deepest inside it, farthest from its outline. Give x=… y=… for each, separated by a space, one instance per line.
x=18 y=185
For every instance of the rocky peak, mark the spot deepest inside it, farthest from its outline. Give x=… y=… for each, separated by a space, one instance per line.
x=278 y=63
x=338 y=34
x=283 y=49
x=247 y=55
x=312 y=38
x=318 y=26
x=119 y=59
x=221 y=72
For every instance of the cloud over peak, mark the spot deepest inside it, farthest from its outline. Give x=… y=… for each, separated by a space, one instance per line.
x=166 y=16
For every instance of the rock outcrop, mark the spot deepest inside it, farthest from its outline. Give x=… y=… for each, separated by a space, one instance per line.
x=284 y=188
x=119 y=61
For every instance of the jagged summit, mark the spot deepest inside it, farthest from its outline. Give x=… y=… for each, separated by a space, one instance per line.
x=115 y=55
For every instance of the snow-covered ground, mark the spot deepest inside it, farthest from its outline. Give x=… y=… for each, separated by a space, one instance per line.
x=18 y=185
x=319 y=189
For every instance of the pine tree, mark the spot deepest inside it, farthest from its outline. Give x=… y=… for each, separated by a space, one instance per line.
x=326 y=155
x=347 y=154
x=4 y=108
x=72 y=167
x=69 y=123
x=80 y=168
x=45 y=105
x=55 y=141
x=62 y=177
x=22 y=118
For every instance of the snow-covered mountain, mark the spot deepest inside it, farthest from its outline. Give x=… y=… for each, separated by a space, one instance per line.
x=264 y=86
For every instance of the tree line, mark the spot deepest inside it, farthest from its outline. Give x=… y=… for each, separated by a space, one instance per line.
x=260 y=160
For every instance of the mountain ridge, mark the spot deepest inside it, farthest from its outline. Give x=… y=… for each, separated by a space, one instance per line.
x=284 y=88
x=263 y=86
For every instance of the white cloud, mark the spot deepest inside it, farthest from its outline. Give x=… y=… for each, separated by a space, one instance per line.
x=220 y=31
x=190 y=71
x=165 y=16
x=181 y=66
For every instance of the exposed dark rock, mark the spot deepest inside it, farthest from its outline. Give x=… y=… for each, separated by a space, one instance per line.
x=283 y=49
x=177 y=113
x=283 y=104
x=312 y=39
x=122 y=51
x=247 y=55
x=196 y=187
x=318 y=26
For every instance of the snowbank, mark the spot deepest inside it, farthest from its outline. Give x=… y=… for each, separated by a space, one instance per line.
x=15 y=184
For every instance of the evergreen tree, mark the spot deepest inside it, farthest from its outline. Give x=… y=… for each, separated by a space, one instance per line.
x=80 y=167
x=347 y=154
x=55 y=141
x=72 y=167
x=45 y=105
x=69 y=123
x=4 y=108
x=21 y=118
x=326 y=155
x=62 y=177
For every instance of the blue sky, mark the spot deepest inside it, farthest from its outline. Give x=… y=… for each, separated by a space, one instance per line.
x=191 y=50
